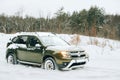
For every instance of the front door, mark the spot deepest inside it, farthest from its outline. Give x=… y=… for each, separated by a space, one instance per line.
x=34 y=54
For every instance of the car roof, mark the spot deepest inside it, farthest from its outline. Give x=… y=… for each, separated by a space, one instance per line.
x=35 y=34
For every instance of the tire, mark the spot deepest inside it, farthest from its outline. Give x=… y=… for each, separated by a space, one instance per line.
x=49 y=64
x=11 y=59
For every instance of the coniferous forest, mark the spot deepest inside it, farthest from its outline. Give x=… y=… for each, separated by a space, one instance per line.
x=92 y=22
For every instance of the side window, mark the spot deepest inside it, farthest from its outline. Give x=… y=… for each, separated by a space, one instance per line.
x=20 y=39
x=32 y=41
x=14 y=40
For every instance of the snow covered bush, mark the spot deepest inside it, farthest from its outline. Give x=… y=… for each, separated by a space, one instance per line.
x=75 y=39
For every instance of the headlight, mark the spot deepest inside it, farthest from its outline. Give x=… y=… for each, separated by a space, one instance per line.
x=65 y=54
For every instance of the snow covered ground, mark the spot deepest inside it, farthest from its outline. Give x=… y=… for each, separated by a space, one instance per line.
x=104 y=62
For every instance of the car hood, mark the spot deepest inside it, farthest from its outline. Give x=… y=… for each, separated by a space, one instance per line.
x=64 y=48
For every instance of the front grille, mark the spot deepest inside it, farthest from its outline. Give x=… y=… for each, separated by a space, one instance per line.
x=77 y=54
x=82 y=55
x=74 y=56
x=74 y=52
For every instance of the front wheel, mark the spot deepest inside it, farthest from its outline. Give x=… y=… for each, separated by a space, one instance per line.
x=50 y=64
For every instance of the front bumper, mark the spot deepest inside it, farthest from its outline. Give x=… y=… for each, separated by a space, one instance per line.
x=76 y=63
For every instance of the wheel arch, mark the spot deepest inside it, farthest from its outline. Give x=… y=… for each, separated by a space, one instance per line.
x=10 y=51
x=46 y=56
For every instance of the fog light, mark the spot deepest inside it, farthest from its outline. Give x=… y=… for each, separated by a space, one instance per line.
x=65 y=63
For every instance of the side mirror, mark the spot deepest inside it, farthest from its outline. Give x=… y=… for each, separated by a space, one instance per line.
x=38 y=46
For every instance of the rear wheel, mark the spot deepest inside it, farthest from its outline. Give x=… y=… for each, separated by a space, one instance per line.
x=11 y=59
x=50 y=64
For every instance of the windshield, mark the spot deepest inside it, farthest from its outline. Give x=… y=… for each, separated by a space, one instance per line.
x=53 y=41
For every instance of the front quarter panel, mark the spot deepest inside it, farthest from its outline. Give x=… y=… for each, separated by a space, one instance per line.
x=56 y=55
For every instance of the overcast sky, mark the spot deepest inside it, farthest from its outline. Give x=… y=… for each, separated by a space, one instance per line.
x=39 y=8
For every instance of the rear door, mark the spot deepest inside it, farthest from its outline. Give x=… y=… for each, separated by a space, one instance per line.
x=22 y=48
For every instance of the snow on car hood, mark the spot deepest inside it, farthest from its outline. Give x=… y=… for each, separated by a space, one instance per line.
x=65 y=48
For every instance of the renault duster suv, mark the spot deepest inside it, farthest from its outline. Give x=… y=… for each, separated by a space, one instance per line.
x=44 y=49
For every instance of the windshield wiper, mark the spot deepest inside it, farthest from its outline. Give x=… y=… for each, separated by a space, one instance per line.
x=50 y=45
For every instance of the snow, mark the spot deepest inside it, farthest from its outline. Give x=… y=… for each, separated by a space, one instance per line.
x=14 y=46
x=35 y=33
x=104 y=63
